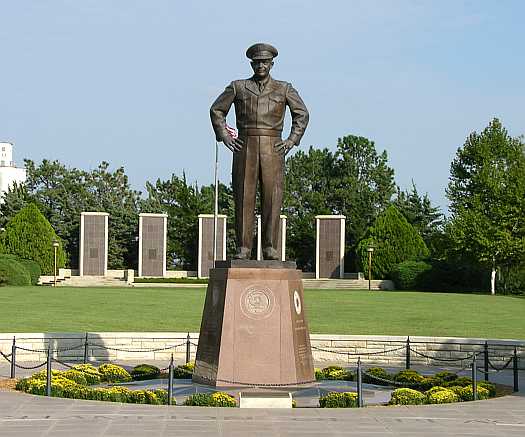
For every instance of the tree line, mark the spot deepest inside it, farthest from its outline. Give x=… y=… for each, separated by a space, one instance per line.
x=482 y=240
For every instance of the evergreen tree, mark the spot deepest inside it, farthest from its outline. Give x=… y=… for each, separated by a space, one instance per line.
x=419 y=212
x=394 y=240
x=29 y=235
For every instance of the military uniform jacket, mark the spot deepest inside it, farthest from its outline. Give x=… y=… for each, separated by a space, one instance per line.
x=260 y=113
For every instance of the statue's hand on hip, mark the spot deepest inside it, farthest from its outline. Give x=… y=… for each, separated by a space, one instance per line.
x=283 y=147
x=234 y=144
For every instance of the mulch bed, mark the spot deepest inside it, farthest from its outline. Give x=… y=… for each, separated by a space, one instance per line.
x=7 y=384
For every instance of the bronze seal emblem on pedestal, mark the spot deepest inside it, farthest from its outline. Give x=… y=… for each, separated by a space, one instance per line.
x=257 y=302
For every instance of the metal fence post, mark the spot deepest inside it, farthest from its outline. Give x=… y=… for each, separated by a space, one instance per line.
x=86 y=350
x=48 y=370
x=407 y=355
x=360 y=400
x=486 y=358
x=188 y=345
x=13 y=358
x=474 y=378
x=515 y=369
x=170 y=381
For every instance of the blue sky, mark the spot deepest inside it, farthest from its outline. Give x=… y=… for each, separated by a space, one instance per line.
x=131 y=82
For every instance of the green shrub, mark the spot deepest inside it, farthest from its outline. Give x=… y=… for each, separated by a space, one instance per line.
x=217 y=399
x=446 y=375
x=114 y=373
x=145 y=371
x=407 y=396
x=29 y=235
x=395 y=241
x=319 y=375
x=171 y=280
x=337 y=373
x=90 y=372
x=338 y=400
x=466 y=393
x=379 y=372
x=184 y=371
x=409 y=377
x=410 y=275
x=12 y=272
x=462 y=381
x=33 y=269
x=429 y=382
x=440 y=395
x=489 y=386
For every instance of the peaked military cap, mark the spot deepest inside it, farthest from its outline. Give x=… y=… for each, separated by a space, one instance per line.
x=262 y=51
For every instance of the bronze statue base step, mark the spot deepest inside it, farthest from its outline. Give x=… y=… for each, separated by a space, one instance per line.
x=255 y=264
x=254 y=331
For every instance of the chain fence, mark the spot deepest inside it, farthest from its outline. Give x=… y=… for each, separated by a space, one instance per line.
x=464 y=362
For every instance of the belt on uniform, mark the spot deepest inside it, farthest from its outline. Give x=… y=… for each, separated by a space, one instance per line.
x=255 y=132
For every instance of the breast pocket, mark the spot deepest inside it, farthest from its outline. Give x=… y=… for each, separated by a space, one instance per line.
x=276 y=107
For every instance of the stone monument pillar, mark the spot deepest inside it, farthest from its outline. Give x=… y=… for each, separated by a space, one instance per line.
x=152 y=244
x=281 y=243
x=93 y=256
x=205 y=258
x=330 y=246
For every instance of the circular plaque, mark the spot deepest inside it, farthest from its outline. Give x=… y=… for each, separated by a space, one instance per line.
x=257 y=302
x=297 y=302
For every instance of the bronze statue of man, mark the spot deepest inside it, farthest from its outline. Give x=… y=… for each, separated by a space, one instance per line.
x=259 y=151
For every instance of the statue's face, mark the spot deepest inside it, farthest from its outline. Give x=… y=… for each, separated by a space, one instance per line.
x=261 y=67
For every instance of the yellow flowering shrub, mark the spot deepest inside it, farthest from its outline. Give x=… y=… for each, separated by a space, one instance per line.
x=338 y=400
x=90 y=372
x=441 y=395
x=114 y=373
x=407 y=396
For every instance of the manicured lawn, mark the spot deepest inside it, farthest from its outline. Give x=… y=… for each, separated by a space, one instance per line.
x=45 y=309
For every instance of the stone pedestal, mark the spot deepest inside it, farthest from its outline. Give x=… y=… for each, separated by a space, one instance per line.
x=254 y=329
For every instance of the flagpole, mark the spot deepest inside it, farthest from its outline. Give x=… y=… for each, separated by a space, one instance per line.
x=216 y=209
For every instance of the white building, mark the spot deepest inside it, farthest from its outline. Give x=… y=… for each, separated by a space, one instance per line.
x=8 y=172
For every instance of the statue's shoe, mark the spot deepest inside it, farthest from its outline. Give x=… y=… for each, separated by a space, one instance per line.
x=270 y=253
x=242 y=253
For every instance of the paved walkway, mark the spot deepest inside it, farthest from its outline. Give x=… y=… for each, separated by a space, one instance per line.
x=26 y=415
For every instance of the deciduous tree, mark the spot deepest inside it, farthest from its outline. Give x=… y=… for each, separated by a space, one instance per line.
x=487 y=199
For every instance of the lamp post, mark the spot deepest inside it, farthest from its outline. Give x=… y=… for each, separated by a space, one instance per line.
x=55 y=247
x=370 y=250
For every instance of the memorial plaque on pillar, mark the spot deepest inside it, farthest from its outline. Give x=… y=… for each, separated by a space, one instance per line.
x=205 y=258
x=93 y=259
x=330 y=246
x=254 y=329
x=281 y=242
x=152 y=244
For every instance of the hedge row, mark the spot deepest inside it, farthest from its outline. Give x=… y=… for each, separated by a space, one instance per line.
x=437 y=395
x=171 y=280
x=75 y=384
x=379 y=376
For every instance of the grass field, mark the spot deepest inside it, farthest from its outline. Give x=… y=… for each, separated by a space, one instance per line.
x=45 y=309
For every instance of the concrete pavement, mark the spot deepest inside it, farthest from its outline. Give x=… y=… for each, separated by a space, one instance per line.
x=26 y=415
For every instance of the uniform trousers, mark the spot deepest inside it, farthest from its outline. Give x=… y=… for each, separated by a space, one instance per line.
x=258 y=162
